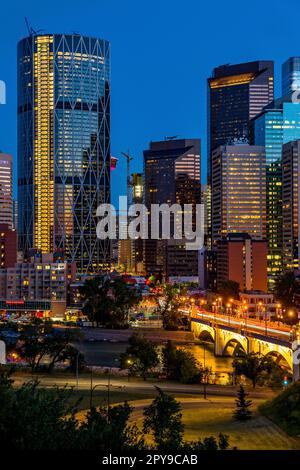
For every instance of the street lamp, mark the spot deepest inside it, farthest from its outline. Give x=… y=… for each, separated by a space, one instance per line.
x=202 y=302
x=246 y=317
x=228 y=311
x=129 y=362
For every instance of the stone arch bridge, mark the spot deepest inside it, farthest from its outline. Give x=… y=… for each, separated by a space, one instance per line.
x=228 y=340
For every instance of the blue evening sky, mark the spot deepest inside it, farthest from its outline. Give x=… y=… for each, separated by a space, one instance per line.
x=162 y=53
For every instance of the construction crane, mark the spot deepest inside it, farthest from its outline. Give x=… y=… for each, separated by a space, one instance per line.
x=31 y=31
x=129 y=158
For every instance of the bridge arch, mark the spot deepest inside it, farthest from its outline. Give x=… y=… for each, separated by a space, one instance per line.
x=203 y=332
x=206 y=335
x=234 y=348
x=279 y=359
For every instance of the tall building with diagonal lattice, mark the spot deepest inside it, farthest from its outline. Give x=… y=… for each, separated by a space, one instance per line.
x=64 y=146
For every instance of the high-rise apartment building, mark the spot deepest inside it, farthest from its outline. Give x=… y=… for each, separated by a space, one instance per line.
x=243 y=260
x=290 y=204
x=6 y=209
x=64 y=146
x=239 y=191
x=278 y=124
x=290 y=76
x=171 y=175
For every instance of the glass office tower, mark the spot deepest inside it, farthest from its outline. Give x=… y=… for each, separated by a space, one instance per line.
x=290 y=76
x=172 y=175
x=276 y=126
x=290 y=204
x=239 y=191
x=64 y=146
x=235 y=94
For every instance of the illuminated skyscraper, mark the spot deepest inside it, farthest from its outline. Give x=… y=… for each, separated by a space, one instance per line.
x=236 y=94
x=290 y=204
x=290 y=76
x=239 y=191
x=64 y=146
x=277 y=125
x=6 y=203
x=137 y=245
x=171 y=175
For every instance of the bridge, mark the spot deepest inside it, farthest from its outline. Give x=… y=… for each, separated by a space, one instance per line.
x=232 y=335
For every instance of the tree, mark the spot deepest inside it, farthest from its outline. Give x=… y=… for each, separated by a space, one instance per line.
x=287 y=289
x=208 y=443
x=140 y=356
x=164 y=420
x=33 y=418
x=40 y=340
x=242 y=413
x=168 y=304
x=107 y=301
x=181 y=365
x=124 y=299
x=96 y=301
x=229 y=289
x=253 y=366
x=104 y=430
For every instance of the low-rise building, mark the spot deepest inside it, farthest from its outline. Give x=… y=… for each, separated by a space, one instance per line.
x=257 y=304
x=39 y=279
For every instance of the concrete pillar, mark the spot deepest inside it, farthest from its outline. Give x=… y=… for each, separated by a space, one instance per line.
x=296 y=364
x=219 y=342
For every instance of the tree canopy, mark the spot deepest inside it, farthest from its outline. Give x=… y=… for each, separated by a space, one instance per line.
x=107 y=301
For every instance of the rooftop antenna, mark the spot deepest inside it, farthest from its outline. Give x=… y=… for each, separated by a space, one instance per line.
x=30 y=29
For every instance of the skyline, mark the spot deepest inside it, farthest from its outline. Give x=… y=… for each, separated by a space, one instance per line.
x=145 y=104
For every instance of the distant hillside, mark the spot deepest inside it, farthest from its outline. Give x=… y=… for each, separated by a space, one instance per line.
x=284 y=409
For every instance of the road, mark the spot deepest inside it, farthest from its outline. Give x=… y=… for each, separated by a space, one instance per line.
x=139 y=386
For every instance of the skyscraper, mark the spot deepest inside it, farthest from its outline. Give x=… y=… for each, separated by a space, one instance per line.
x=278 y=124
x=64 y=146
x=137 y=245
x=6 y=209
x=239 y=191
x=171 y=175
x=290 y=74
x=290 y=204
x=236 y=93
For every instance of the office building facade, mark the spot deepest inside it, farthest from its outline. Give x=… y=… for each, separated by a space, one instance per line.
x=290 y=204
x=239 y=191
x=171 y=175
x=235 y=94
x=8 y=246
x=64 y=146
x=243 y=260
x=276 y=126
x=137 y=190
x=290 y=76
x=6 y=202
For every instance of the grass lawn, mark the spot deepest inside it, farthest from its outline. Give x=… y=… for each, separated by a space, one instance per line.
x=209 y=418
